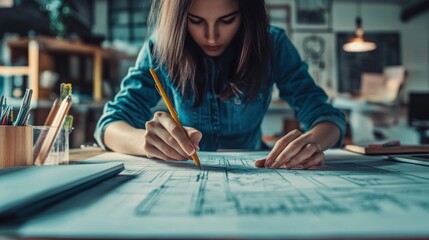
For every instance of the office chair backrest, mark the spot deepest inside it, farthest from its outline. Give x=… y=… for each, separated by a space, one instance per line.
x=395 y=78
x=383 y=88
x=372 y=84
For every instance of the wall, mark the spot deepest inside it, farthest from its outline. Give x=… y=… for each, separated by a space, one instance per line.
x=385 y=16
x=415 y=50
x=376 y=17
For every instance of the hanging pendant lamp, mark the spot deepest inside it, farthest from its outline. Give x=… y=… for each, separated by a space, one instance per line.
x=359 y=43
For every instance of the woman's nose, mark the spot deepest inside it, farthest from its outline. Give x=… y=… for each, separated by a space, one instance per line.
x=212 y=33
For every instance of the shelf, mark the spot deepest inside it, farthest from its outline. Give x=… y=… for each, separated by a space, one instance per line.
x=40 y=47
x=55 y=45
x=12 y=70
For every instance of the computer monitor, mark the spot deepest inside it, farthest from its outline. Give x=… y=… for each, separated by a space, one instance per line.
x=418 y=111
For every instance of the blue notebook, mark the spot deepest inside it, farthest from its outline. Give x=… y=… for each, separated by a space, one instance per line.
x=26 y=189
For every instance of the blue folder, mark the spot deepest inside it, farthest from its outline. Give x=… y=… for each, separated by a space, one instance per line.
x=26 y=189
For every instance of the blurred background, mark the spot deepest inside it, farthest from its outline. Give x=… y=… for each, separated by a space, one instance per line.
x=370 y=56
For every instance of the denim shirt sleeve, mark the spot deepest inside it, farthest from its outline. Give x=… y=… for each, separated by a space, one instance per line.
x=137 y=95
x=296 y=86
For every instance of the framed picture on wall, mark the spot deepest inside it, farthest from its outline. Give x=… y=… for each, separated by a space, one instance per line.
x=318 y=51
x=280 y=16
x=312 y=15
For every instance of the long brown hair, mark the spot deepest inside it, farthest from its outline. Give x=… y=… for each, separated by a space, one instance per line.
x=184 y=59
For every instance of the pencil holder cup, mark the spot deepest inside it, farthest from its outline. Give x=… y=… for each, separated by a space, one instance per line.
x=59 y=152
x=16 y=146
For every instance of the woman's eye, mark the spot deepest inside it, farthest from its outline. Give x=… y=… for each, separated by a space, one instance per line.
x=195 y=21
x=228 y=21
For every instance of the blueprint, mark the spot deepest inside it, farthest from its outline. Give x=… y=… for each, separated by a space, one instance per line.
x=229 y=197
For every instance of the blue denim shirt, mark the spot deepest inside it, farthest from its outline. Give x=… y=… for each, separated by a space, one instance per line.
x=224 y=124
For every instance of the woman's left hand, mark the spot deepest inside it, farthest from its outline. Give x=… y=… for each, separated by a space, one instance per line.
x=294 y=150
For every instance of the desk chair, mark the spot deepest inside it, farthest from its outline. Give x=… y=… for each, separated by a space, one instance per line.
x=378 y=103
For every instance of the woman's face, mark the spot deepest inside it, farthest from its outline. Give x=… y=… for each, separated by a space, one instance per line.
x=213 y=24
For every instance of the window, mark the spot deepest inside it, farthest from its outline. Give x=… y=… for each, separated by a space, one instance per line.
x=128 y=20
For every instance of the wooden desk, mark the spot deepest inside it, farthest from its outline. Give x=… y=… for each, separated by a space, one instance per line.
x=353 y=196
x=77 y=154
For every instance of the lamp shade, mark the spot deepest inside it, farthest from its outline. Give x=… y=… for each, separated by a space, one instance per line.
x=359 y=43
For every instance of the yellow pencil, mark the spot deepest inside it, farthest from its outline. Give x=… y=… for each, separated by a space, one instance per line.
x=171 y=109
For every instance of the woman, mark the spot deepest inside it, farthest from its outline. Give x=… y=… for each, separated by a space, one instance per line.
x=218 y=61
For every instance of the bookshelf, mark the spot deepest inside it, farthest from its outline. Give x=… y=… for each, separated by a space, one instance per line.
x=96 y=67
x=39 y=53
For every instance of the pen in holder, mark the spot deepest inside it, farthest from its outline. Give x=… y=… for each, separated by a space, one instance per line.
x=59 y=151
x=45 y=142
x=16 y=146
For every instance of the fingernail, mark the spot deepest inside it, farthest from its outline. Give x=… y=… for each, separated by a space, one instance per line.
x=283 y=167
x=260 y=163
x=190 y=149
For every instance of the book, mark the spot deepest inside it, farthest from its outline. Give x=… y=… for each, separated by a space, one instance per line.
x=387 y=150
x=23 y=190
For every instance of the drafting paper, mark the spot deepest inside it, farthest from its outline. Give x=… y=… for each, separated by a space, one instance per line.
x=230 y=198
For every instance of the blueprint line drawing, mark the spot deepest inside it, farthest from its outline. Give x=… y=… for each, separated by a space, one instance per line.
x=229 y=197
x=231 y=186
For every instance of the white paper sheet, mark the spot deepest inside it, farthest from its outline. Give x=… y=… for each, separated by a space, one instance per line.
x=231 y=198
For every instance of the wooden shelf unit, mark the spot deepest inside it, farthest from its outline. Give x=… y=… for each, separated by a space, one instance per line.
x=39 y=51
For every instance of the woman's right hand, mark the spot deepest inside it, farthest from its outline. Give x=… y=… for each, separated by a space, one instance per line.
x=164 y=139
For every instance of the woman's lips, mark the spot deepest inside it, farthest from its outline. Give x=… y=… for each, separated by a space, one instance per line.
x=212 y=48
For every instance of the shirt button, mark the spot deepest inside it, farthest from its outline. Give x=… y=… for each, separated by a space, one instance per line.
x=237 y=101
